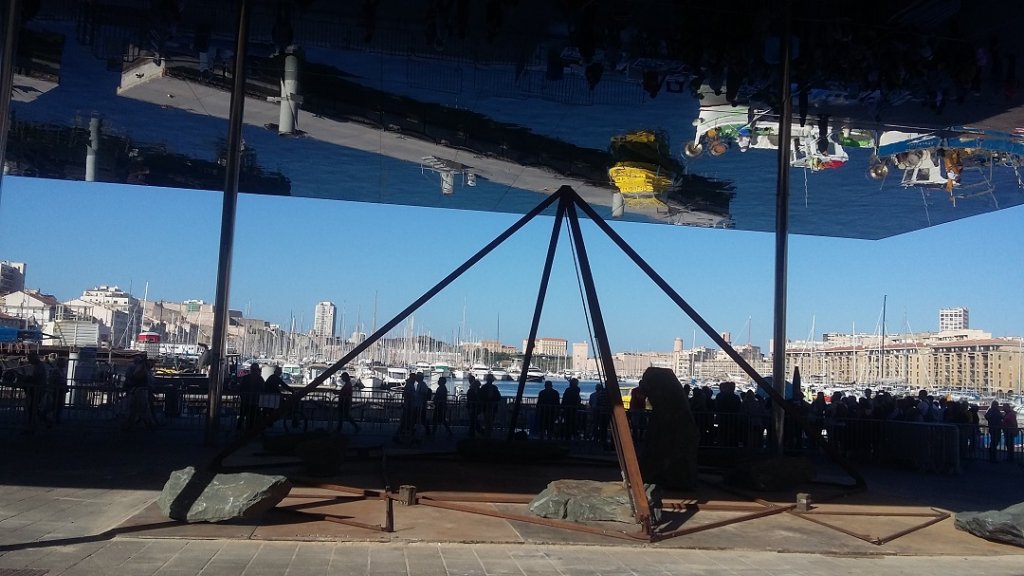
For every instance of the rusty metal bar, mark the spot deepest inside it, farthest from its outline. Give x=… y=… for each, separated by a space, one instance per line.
x=895 y=535
x=879 y=514
x=389 y=515
x=658 y=536
x=717 y=338
x=864 y=537
x=367 y=493
x=357 y=524
x=491 y=497
x=624 y=447
x=291 y=403
x=541 y=295
x=631 y=536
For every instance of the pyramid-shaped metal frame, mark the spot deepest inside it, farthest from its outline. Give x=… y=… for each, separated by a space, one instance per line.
x=568 y=202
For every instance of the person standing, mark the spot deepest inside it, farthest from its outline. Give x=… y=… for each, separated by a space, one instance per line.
x=473 y=400
x=422 y=397
x=138 y=380
x=637 y=412
x=490 y=396
x=441 y=405
x=571 y=403
x=994 y=417
x=548 y=400
x=249 y=391
x=1009 y=431
x=34 y=381
x=345 y=403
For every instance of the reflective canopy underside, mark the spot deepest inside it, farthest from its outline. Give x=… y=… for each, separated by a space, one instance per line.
x=660 y=112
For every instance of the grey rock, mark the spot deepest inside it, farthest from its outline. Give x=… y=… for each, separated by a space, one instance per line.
x=1005 y=525
x=589 y=500
x=192 y=497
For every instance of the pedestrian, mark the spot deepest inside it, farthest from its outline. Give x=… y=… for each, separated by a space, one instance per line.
x=249 y=391
x=637 y=412
x=138 y=381
x=548 y=400
x=490 y=397
x=345 y=403
x=473 y=402
x=1010 y=431
x=571 y=403
x=994 y=417
x=422 y=397
x=441 y=405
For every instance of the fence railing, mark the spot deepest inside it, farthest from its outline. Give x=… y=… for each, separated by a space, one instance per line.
x=182 y=403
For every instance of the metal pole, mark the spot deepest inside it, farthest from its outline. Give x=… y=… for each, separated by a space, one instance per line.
x=218 y=368
x=782 y=230
x=624 y=447
x=12 y=21
x=535 y=325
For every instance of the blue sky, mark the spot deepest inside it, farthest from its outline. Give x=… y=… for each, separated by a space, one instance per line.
x=291 y=253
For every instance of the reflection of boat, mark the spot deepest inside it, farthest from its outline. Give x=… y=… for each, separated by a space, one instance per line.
x=941 y=160
x=720 y=128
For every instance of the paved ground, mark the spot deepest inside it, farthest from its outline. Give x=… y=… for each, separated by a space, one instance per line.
x=79 y=501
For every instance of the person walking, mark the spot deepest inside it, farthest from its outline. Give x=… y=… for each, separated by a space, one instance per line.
x=345 y=403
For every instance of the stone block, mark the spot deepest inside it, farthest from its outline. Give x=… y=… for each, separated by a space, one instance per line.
x=193 y=497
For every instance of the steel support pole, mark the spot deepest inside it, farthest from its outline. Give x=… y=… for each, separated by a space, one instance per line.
x=11 y=23
x=782 y=229
x=218 y=365
x=535 y=325
x=624 y=447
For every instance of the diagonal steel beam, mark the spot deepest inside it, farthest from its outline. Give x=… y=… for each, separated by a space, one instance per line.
x=624 y=447
x=556 y=230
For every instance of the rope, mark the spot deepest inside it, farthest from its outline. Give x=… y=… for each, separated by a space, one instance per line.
x=583 y=300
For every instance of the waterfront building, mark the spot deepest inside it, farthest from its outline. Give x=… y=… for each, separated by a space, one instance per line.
x=548 y=346
x=978 y=364
x=579 y=356
x=954 y=319
x=113 y=323
x=111 y=297
x=31 y=306
x=324 y=319
x=12 y=276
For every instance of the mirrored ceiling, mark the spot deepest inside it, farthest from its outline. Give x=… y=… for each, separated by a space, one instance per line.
x=654 y=111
